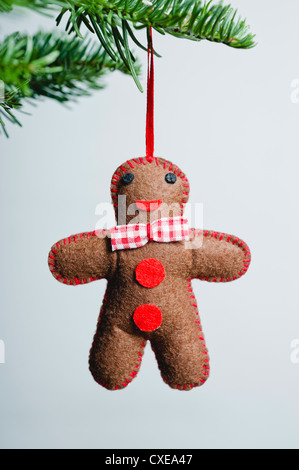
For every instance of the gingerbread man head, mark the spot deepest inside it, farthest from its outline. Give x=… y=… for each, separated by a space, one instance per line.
x=149 y=263
x=152 y=188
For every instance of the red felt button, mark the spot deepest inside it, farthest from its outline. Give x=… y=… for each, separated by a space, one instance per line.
x=150 y=272
x=147 y=317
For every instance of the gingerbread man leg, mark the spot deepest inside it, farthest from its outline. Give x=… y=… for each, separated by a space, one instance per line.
x=181 y=353
x=116 y=355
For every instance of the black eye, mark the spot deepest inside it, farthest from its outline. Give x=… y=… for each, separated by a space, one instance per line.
x=128 y=178
x=170 y=178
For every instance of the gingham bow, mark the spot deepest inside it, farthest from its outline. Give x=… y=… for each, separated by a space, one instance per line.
x=173 y=229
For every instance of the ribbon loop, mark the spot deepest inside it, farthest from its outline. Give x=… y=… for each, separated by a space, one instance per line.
x=150 y=99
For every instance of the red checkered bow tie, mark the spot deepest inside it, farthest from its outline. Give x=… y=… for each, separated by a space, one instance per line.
x=174 y=229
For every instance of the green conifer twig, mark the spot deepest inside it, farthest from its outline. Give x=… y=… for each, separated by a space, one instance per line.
x=54 y=66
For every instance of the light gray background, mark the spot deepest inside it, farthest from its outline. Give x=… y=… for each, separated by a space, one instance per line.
x=226 y=117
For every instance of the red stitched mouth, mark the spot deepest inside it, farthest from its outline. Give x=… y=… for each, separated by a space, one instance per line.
x=148 y=205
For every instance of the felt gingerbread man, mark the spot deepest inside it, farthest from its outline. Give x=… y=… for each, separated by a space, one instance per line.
x=149 y=266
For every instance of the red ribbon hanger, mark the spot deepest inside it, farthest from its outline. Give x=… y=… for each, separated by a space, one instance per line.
x=150 y=98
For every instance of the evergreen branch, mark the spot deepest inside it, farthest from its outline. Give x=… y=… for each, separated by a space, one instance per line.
x=191 y=19
x=11 y=101
x=51 y=66
x=38 y=5
x=113 y=21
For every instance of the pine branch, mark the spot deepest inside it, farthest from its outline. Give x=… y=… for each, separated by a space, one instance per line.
x=38 y=5
x=113 y=22
x=51 y=66
x=11 y=101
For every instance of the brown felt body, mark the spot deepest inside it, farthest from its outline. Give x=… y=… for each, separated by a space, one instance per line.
x=179 y=344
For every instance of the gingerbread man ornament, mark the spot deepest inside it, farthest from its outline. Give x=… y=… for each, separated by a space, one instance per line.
x=149 y=263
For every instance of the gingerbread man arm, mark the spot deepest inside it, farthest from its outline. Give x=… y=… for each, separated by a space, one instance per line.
x=218 y=257
x=82 y=258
